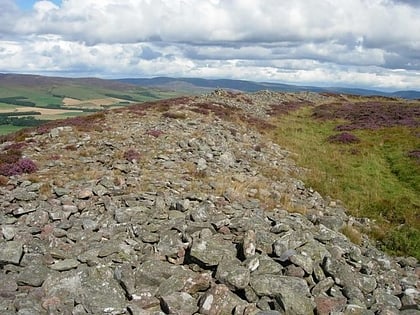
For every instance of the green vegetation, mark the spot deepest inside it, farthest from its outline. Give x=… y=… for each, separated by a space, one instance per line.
x=17 y=100
x=6 y=129
x=374 y=178
x=50 y=95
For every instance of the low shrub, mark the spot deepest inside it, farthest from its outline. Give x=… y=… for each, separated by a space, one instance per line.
x=175 y=115
x=369 y=115
x=131 y=155
x=154 y=132
x=414 y=154
x=10 y=156
x=22 y=166
x=343 y=138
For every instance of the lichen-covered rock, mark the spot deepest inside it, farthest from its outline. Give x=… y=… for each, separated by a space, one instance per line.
x=33 y=275
x=95 y=288
x=232 y=273
x=273 y=285
x=179 y=303
x=10 y=252
x=220 y=300
x=209 y=250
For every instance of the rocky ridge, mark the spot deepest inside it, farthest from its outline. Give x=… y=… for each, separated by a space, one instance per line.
x=183 y=207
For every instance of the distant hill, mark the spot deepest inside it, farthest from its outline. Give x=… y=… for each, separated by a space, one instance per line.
x=29 y=80
x=185 y=85
x=250 y=86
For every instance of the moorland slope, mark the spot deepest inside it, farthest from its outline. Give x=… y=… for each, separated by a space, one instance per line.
x=191 y=206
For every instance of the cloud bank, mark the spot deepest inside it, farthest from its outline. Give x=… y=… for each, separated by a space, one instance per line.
x=373 y=43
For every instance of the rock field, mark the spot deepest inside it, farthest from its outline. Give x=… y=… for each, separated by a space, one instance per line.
x=183 y=208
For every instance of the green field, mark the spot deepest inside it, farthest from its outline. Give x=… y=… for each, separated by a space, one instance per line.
x=51 y=96
x=5 y=129
x=374 y=178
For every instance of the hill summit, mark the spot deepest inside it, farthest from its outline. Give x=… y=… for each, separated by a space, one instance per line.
x=183 y=206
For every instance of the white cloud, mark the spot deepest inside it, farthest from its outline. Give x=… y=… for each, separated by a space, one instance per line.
x=320 y=41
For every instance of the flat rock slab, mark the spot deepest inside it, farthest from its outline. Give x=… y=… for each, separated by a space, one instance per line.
x=64 y=265
x=11 y=252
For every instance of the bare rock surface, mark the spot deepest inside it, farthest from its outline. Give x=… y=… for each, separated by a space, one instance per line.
x=180 y=209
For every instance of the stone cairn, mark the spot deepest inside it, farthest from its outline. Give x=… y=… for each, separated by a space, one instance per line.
x=183 y=208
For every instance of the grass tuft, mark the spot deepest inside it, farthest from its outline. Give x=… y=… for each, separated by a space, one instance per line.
x=352 y=234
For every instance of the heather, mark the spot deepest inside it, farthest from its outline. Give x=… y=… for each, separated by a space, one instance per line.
x=131 y=155
x=369 y=115
x=344 y=138
x=21 y=166
x=286 y=107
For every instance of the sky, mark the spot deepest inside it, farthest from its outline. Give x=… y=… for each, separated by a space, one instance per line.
x=352 y=43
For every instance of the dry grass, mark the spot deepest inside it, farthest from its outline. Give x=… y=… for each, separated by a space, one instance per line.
x=289 y=204
x=352 y=234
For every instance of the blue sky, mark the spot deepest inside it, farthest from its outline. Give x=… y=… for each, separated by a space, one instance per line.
x=353 y=43
x=27 y=5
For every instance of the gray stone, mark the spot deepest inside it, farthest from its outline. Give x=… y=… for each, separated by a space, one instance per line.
x=196 y=283
x=61 y=191
x=290 y=241
x=64 y=265
x=315 y=250
x=249 y=244
x=384 y=299
x=345 y=275
x=410 y=312
x=39 y=218
x=211 y=250
x=227 y=159
x=170 y=243
x=267 y=265
x=355 y=296
x=179 y=303
x=90 y=224
x=274 y=285
x=294 y=271
x=10 y=252
x=20 y=211
x=124 y=274
x=8 y=286
x=332 y=222
x=85 y=193
x=23 y=195
x=326 y=305
x=201 y=164
x=108 y=248
x=303 y=261
x=153 y=272
x=353 y=309
x=220 y=300
x=8 y=232
x=322 y=286
x=95 y=288
x=33 y=275
x=100 y=190
x=231 y=273
x=145 y=299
